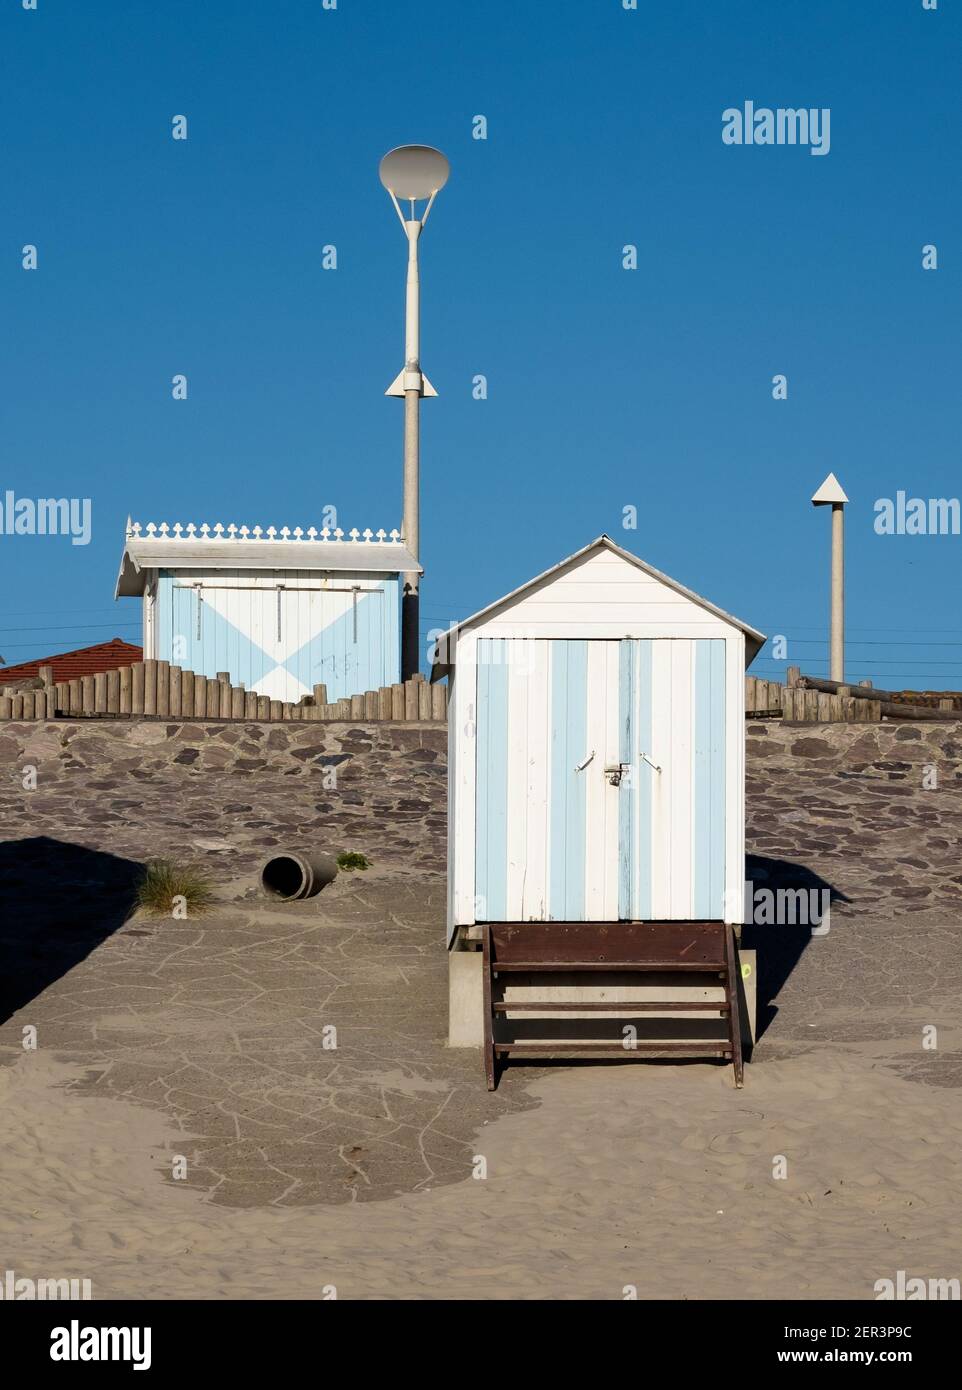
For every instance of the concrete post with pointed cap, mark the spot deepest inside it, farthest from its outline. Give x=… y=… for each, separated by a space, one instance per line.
x=831 y=494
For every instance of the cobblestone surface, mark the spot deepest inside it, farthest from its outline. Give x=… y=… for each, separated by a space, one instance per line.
x=225 y=1020
x=222 y=1021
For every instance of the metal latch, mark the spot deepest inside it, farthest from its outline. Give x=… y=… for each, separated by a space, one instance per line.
x=615 y=772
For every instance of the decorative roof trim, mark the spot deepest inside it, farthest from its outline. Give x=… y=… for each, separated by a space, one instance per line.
x=219 y=532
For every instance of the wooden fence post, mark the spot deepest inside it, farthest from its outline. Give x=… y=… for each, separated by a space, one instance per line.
x=137 y=688
x=150 y=687
x=439 y=702
x=126 y=689
x=175 y=706
x=424 y=700
x=163 y=689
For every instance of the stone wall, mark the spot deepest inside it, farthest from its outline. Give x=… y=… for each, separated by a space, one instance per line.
x=144 y=788
x=851 y=804
x=845 y=803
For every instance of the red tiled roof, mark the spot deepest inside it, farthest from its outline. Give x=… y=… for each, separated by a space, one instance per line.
x=86 y=661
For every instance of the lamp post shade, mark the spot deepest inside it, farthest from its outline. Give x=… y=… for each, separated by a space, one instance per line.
x=414 y=171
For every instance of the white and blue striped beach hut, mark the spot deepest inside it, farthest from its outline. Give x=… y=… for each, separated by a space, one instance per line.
x=280 y=610
x=596 y=750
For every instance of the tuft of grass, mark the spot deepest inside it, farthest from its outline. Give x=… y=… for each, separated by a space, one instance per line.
x=174 y=890
x=351 y=859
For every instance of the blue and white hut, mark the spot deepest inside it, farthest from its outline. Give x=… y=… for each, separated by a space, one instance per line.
x=280 y=610
x=596 y=776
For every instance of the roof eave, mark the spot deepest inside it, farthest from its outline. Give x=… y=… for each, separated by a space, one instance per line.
x=131 y=579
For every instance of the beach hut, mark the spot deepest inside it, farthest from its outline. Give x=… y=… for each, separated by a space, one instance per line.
x=280 y=610
x=596 y=814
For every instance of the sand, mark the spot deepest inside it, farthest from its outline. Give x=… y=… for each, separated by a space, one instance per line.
x=658 y=1178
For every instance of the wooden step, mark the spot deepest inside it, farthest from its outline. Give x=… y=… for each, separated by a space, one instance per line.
x=608 y=1049
x=543 y=966
x=624 y=1008
x=692 y=953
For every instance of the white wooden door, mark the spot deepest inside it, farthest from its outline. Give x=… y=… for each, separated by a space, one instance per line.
x=600 y=780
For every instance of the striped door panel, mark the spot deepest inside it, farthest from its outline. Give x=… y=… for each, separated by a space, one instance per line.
x=671 y=852
x=555 y=839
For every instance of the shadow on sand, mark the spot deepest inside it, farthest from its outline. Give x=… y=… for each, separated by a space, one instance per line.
x=58 y=902
x=781 y=946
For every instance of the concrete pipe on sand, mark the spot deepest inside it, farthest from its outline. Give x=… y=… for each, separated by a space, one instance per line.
x=293 y=874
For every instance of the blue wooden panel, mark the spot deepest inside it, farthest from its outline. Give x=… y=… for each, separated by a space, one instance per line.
x=635 y=794
x=491 y=850
x=626 y=792
x=708 y=775
x=569 y=747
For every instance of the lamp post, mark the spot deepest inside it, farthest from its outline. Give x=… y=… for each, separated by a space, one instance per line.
x=412 y=173
x=831 y=494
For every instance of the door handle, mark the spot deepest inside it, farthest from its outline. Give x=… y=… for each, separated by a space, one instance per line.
x=582 y=765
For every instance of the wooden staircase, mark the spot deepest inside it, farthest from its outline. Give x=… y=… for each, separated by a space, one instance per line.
x=551 y=955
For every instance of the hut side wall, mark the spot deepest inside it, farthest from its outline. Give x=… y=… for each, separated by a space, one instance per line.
x=282 y=632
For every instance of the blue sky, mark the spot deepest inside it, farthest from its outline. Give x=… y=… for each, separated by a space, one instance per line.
x=607 y=388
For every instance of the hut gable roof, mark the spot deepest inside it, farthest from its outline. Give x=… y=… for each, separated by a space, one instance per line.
x=442 y=655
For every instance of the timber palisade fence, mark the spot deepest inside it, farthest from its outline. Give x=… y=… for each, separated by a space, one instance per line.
x=809 y=698
x=156 y=689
